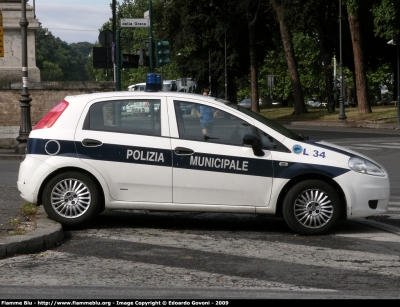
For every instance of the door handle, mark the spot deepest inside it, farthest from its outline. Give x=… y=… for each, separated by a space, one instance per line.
x=183 y=151
x=91 y=143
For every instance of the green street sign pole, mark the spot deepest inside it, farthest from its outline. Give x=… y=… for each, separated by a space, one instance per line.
x=118 y=61
x=151 y=66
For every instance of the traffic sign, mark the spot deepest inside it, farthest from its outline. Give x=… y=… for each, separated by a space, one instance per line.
x=106 y=38
x=102 y=58
x=135 y=23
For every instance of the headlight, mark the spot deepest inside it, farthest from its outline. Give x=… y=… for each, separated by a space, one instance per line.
x=366 y=167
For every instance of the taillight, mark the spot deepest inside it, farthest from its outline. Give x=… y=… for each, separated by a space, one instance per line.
x=50 y=118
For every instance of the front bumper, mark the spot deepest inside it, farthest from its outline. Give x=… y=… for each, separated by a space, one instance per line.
x=366 y=195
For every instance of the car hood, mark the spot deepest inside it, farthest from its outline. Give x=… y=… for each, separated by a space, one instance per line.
x=343 y=150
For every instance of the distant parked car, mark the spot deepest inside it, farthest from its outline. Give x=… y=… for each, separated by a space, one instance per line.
x=350 y=104
x=187 y=108
x=276 y=104
x=170 y=85
x=346 y=104
x=246 y=103
x=313 y=104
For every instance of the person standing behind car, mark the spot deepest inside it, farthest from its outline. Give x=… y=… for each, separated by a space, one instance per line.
x=206 y=115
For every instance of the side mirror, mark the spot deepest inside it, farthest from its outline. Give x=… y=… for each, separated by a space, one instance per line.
x=253 y=141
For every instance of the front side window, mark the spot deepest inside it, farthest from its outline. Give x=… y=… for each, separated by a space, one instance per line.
x=199 y=122
x=273 y=125
x=125 y=116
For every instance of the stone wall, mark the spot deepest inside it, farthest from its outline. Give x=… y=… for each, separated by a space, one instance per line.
x=44 y=95
x=10 y=64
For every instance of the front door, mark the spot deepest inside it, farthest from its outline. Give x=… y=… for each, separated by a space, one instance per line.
x=210 y=164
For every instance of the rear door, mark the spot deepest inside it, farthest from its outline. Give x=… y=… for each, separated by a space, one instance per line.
x=131 y=151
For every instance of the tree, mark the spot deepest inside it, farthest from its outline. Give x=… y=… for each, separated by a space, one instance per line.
x=252 y=10
x=51 y=72
x=318 y=20
x=196 y=32
x=387 y=25
x=60 y=61
x=364 y=106
x=279 y=7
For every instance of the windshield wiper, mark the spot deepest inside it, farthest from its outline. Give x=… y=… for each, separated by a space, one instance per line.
x=304 y=137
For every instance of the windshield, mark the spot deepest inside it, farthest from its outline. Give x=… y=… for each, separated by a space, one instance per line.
x=273 y=125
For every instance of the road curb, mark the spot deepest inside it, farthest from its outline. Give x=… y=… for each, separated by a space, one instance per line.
x=12 y=157
x=46 y=234
x=10 y=154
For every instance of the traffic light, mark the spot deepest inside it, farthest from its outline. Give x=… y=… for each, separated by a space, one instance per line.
x=162 y=53
x=1 y=35
x=130 y=60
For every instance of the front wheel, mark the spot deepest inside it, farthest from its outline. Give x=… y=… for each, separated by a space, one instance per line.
x=311 y=207
x=71 y=198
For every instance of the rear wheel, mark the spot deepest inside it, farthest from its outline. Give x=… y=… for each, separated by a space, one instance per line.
x=71 y=198
x=311 y=207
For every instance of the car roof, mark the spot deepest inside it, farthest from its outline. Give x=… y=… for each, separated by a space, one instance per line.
x=131 y=95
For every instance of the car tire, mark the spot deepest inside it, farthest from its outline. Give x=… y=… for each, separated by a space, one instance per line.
x=71 y=198
x=311 y=207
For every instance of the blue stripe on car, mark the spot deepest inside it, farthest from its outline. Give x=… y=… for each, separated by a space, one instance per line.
x=197 y=161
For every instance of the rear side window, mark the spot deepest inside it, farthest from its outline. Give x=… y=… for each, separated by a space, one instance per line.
x=125 y=116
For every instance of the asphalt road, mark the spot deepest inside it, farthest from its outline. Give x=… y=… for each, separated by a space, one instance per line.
x=10 y=201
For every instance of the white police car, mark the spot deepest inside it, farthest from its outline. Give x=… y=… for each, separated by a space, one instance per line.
x=86 y=155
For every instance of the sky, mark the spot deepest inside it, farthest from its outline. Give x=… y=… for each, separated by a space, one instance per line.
x=73 y=21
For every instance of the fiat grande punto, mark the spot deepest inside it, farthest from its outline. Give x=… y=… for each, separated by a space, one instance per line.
x=88 y=155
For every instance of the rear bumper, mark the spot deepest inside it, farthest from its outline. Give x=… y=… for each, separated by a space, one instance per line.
x=31 y=174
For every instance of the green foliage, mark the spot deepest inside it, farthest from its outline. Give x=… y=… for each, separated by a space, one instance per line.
x=352 y=5
x=196 y=33
x=309 y=64
x=387 y=21
x=28 y=209
x=14 y=222
x=275 y=64
x=51 y=72
x=59 y=61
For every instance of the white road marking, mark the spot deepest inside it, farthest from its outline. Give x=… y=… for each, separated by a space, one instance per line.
x=360 y=148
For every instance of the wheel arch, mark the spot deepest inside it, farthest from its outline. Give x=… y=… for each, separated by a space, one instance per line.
x=74 y=169
x=314 y=176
